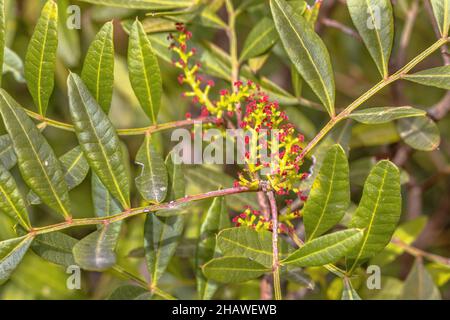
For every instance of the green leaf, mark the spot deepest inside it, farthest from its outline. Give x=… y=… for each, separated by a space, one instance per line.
x=364 y=135
x=7 y=156
x=145 y=75
x=13 y=64
x=161 y=238
x=98 y=68
x=98 y=140
x=260 y=39
x=441 y=9
x=75 y=168
x=2 y=37
x=40 y=60
x=330 y=194
x=12 y=203
x=153 y=181
x=11 y=253
x=129 y=292
x=421 y=133
x=38 y=164
x=104 y=203
x=69 y=48
x=215 y=220
x=233 y=269
x=145 y=4
x=95 y=252
x=374 y=21
x=325 y=249
x=247 y=242
x=436 y=77
x=419 y=284
x=378 y=211
x=385 y=114
x=348 y=292
x=306 y=51
x=55 y=247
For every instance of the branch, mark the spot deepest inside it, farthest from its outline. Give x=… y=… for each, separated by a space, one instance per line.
x=275 y=256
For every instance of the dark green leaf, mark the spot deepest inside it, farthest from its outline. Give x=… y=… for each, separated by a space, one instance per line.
x=13 y=64
x=55 y=247
x=441 y=9
x=153 y=180
x=145 y=75
x=233 y=269
x=98 y=68
x=40 y=60
x=38 y=164
x=7 y=155
x=385 y=114
x=260 y=39
x=378 y=211
x=98 y=140
x=374 y=20
x=325 y=249
x=330 y=194
x=306 y=51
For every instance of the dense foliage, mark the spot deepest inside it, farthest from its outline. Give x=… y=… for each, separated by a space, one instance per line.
x=339 y=188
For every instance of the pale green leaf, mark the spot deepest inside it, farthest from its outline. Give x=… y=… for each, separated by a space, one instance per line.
x=325 y=249
x=104 y=203
x=378 y=211
x=40 y=60
x=11 y=253
x=306 y=51
x=13 y=64
x=98 y=140
x=216 y=219
x=330 y=194
x=145 y=75
x=419 y=284
x=12 y=202
x=98 y=68
x=441 y=10
x=385 y=114
x=38 y=163
x=348 y=293
x=436 y=77
x=145 y=4
x=95 y=252
x=69 y=49
x=129 y=292
x=421 y=133
x=7 y=155
x=364 y=135
x=260 y=39
x=233 y=269
x=374 y=20
x=247 y=242
x=153 y=180
x=2 y=37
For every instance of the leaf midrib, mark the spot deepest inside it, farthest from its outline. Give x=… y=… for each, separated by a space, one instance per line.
x=380 y=44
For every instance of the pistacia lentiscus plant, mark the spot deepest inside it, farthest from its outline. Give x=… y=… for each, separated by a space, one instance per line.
x=310 y=207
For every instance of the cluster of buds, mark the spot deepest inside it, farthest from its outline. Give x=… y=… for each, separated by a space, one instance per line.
x=261 y=117
x=253 y=219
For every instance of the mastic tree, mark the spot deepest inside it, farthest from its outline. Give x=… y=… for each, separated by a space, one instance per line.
x=349 y=98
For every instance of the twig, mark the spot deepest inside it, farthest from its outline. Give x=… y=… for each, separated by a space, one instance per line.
x=337 y=25
x=275 y=256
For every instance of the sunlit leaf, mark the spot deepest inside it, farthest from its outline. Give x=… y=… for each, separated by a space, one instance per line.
x=145 y=75
x=436 y=77
x=98 y=140
x=330 y=194
x=348 y=293
x=374 y=20
x=38 y=164
x=145 y=4
x=441 y=9
x=2 y=36
x=306 y=51
x=11 y=253
x=98 y=68
x=40 y=60
x=129 y=292
x=421 y=133
x=233 y=269
x=152 y=182
x=378 y=211
x=12 y=202
x=385 y=114
x=325 y=249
